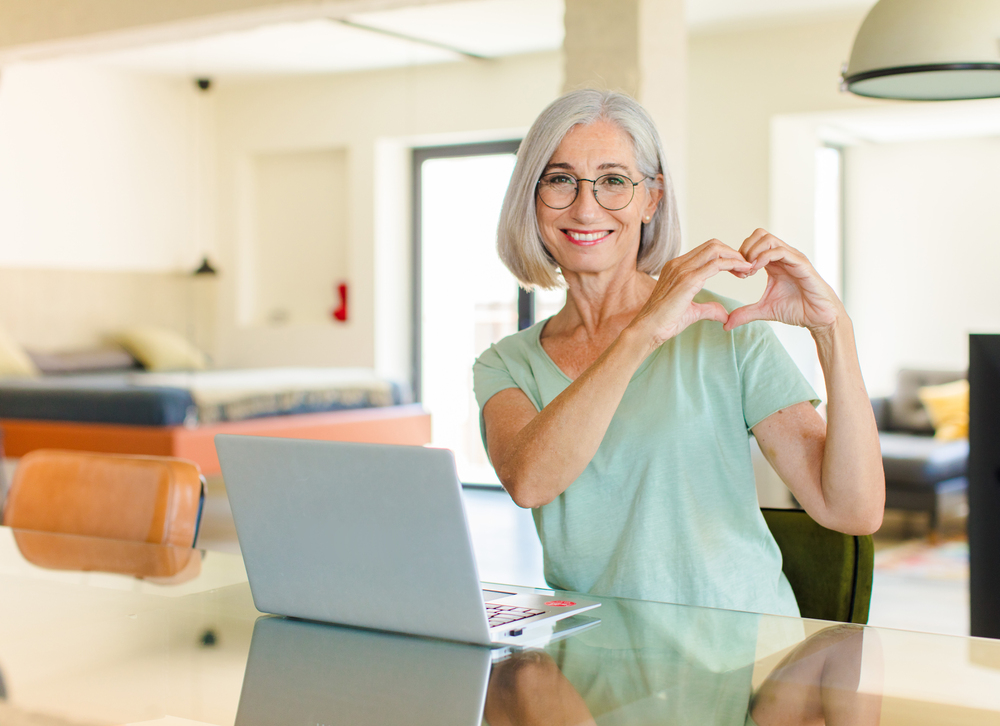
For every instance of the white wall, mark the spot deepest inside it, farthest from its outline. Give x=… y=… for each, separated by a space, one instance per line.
x=298 y=256
x=741 y=79
x=103 y=170
x=923 y=251
x=376 y=116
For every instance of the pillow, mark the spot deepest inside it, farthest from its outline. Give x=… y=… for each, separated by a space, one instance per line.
x=948 y=407
x=97 y=360
x=906 y=412
x=13 y=360
x=159 y=349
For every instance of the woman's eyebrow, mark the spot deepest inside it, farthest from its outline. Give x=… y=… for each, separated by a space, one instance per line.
x=559 y=165
x=601 y=167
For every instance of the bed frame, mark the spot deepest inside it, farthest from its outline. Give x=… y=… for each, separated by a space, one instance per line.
x=408 y=424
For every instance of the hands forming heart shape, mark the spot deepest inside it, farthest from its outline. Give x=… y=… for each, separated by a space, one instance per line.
x=795 y=294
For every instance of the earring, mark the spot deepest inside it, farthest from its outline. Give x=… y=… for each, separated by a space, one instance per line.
x=647 y=219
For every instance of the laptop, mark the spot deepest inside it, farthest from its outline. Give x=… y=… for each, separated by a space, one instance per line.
x=373 y=536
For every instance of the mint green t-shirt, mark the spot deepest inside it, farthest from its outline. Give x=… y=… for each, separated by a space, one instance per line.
x=667 y=509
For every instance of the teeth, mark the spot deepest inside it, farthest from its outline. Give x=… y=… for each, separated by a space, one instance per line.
x=587 y=236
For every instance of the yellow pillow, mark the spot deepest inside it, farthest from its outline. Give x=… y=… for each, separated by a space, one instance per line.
x=13 y=360
x=948 y=407
x=159 y=349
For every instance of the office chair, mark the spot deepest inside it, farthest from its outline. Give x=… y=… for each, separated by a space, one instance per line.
x=160 y=564
x=153 y=499
x=830 y=572
x=3 y=477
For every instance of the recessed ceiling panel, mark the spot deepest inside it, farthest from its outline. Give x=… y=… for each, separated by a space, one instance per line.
x=316 y=46
x=490 y=28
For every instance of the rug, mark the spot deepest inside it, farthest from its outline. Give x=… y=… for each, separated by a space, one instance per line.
x=947 y=560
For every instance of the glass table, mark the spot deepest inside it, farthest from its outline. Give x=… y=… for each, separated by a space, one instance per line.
x=101 y=632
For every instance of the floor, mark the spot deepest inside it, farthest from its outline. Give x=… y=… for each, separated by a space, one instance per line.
x=507 y=551
x=912 y=599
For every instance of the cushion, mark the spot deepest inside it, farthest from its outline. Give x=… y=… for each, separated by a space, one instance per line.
x=830 y=573
x=159 y=349
x=84 y=361
x=906 y=412
x=14 y=361
x=922 y=461
x=948 y=408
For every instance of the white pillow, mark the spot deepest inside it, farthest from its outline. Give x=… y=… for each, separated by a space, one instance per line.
x=13 y=360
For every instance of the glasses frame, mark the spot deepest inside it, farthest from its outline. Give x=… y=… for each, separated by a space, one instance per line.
x=593 y=186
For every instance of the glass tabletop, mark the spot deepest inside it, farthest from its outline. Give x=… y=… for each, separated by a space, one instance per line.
x=102 y=632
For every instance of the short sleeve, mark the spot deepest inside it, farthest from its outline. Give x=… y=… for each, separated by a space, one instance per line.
x=489 y=376
x=770 y=379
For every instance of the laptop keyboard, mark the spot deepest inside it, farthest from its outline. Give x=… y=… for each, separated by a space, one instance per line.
x=507 y=614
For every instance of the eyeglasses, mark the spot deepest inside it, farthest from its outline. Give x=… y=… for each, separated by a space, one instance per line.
x=559 y=190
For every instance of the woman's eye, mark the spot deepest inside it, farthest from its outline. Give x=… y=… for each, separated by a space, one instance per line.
x=614 y=181
x=558 y=180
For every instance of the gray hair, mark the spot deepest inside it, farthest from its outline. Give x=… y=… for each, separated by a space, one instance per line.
x=519 y=240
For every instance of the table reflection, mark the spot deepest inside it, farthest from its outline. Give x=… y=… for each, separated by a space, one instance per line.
x=645 y=664
x=817 y=683
x=312 y=673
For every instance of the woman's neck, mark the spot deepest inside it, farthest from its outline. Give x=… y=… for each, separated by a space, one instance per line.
x=593 y=303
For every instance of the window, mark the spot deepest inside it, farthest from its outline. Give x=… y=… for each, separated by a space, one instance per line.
x=829 y=245
x=464 y=298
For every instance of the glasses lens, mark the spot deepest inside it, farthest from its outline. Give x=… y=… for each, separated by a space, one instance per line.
x=614 y=191
x=557 y=190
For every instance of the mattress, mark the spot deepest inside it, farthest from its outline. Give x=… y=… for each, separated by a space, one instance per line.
x=193 y=398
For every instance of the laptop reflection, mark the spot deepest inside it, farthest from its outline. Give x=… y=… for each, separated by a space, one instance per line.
x=315 y=674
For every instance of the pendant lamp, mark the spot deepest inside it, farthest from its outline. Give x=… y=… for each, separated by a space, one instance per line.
x=927 y=50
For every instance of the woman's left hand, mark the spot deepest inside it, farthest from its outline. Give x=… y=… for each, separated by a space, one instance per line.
x=795 y=293
x=833 y=469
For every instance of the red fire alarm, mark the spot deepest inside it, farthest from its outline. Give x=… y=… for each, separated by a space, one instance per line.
x=340 y=312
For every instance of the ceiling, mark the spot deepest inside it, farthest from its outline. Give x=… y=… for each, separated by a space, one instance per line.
x=433 y=33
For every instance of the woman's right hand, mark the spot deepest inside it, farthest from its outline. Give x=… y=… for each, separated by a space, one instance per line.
x=671 y=307
x=538 y=454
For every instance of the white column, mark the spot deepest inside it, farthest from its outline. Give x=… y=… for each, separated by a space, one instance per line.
x=638 y=47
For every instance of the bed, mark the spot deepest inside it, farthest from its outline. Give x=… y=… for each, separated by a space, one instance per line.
x=178 y=414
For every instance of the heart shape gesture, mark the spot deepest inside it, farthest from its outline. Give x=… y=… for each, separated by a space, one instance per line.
x=795 y=293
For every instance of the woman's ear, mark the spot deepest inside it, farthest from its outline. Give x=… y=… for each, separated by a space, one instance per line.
x=655 y=195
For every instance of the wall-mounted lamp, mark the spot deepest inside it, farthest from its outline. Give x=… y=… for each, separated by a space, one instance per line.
x=205 y=268
x=927 y=50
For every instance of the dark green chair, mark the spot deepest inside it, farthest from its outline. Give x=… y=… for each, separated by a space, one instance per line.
x=830 y=572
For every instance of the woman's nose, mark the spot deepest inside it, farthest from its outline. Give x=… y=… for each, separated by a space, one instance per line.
x=585 y=205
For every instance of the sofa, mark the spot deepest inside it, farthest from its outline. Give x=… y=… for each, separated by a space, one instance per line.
x=919 y=469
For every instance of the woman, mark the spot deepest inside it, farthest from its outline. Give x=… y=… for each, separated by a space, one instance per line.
x=623 y=421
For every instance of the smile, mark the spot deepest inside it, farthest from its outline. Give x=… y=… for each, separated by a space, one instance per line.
x=581 y=237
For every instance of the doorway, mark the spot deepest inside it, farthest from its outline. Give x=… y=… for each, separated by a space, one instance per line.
x=464 y=298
